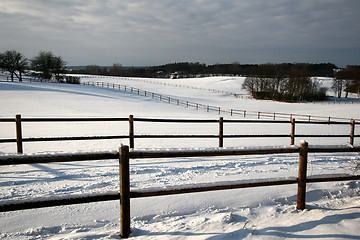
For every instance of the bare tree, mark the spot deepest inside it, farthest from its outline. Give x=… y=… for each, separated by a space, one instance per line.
x=299 y=83
x=14 y=62
x=348 y=80
x=260 y=83
x=276 y=82
x=337 y=87
x=49 y=65
x=58 y=68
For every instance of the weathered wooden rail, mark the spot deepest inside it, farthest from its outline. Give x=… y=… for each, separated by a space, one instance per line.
x=125 y=194
x=19 y=140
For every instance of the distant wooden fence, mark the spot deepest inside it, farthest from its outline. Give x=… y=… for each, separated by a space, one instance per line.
x=19 y=140
x=219 y=110
x=237 y=95
x=126 y=193
x=170 y=84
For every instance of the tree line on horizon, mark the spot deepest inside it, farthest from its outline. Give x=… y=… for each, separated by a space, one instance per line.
x=284 y=81
x=190 y=69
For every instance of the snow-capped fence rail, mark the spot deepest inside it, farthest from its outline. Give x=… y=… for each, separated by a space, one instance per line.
x=19 y=140
x=125 y=194
x=210 y=108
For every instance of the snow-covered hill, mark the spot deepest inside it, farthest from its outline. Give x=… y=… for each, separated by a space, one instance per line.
x=254 y=213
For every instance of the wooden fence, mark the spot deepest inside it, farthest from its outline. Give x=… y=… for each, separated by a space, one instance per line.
x=219 y=110
x=125 y=193
x=237 y=95
x=19 y=140
x=170 y=84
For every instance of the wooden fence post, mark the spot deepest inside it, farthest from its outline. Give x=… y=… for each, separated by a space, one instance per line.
x=292 y=140
x=18 y=134
x=352 y=132
x=131 y=131
x=221 y=132
x=303 y=154
x=124 y=191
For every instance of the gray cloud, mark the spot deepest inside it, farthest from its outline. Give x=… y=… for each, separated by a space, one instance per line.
x=142 y=32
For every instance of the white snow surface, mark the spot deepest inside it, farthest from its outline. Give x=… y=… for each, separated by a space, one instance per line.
x=332 y=209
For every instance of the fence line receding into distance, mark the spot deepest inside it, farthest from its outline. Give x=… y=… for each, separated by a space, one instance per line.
x=210 y=108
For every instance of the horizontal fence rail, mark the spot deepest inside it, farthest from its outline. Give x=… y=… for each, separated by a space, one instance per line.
x=13 y=205
x=19 y=140
x=51 y=158
x=125 y=154
x=215 y=187
x=209 y=153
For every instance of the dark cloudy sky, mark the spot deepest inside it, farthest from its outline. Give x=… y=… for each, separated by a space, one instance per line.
x=152 y=32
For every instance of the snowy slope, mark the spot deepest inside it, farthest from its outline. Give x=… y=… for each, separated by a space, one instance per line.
x=254 y=213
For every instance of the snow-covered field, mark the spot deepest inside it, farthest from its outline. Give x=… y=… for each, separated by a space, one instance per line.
x=332 y=212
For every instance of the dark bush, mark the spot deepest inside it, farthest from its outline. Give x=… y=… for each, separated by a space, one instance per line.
x=267 y=81
x=72 y=80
